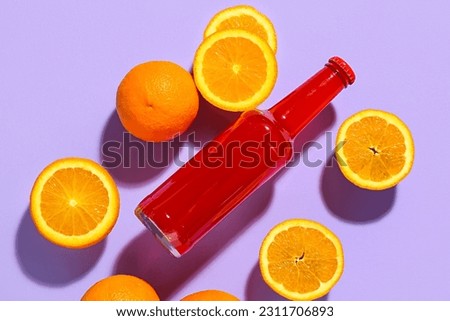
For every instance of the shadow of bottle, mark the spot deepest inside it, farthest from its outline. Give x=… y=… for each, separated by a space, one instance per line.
x=49 y=264
x=146 y=258
x=349 y=202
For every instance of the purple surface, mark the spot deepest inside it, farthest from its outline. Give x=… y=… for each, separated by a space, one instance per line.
x=61 y=63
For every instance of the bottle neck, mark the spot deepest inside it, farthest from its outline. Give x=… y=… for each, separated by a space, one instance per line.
x=296 y=110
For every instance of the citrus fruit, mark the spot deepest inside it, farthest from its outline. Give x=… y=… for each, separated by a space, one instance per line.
x=245 y=18
x=74 y=203
x=157 y=100
x=235 y=70
x=121 y=287
x=375 y=149
x=301 y=259
x=210 y=295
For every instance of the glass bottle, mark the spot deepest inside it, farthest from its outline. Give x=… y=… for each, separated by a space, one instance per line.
x=234 y=164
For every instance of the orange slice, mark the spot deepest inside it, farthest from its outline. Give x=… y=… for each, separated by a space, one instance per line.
x=245 y=18
x=235 y=70
x=301 y=259
x=74 y=203
x=375 y=149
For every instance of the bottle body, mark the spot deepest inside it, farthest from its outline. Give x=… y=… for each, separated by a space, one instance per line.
x=242 y=158
x=218 y=178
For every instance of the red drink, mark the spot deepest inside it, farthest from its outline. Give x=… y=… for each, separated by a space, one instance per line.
x=229 y=168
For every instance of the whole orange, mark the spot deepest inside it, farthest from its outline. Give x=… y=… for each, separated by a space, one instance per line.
x=121 y=287
x=210 y=295
x=157 y=100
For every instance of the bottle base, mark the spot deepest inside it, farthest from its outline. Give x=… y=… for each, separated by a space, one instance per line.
x=162 y=238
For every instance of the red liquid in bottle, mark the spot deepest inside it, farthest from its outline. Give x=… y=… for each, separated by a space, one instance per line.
x=230 y=167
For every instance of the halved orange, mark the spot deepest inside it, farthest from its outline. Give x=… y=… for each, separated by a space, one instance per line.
x=375 y=149
x=74 y=202
x=301 y=259
x=235 y=70
x=245 y=18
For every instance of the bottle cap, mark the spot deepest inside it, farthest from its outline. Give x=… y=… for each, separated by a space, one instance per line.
x=343 y=68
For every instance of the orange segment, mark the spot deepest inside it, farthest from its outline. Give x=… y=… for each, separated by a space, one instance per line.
x=235 y=70
x=74 y=202
x=246 y=18
x=378 y=149
x=301 y=259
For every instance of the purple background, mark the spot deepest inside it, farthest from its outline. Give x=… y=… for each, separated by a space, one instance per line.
x=61 y=63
